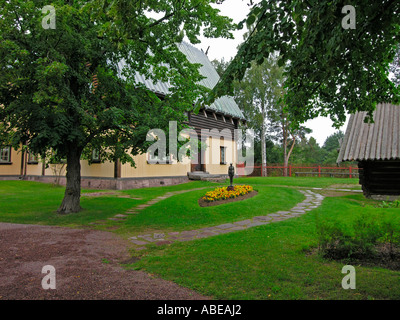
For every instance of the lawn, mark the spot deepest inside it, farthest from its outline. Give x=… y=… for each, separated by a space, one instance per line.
x=182 y=212
x=274 y=261
x=36 y=203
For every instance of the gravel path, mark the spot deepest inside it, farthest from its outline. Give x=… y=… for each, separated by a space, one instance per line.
x=86 y=264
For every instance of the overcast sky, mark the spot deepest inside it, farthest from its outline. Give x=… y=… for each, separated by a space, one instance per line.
x=227 y=48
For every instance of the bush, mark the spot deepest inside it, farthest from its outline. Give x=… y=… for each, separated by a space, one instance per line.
x=390 y=235
x=359 y=239
x=334 y=241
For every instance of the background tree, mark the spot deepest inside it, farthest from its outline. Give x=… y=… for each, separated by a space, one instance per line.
x=65 y=89
x=308 y=152
x=273 y=151
x=220 y=65
x=395 y=68
x=258 y=94
x=331 y=147
x=330 y=70
x=285 y=132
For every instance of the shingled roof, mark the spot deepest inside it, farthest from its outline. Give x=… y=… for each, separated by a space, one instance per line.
x=376 y=141
x=225 y=105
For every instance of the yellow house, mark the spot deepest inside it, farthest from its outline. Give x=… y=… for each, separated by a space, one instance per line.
x=214 y=124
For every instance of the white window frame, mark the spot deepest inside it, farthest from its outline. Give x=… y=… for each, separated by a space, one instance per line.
x=3 y=151
x=156 y=160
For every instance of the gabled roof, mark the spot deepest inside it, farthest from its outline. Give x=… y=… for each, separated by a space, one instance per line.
x=376 y=141
x=225 y=104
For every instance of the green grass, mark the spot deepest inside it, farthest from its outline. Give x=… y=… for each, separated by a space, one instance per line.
x=149 y=193
x=36 y=203
x=182 y=212
x=274 y=261
x=310 y=182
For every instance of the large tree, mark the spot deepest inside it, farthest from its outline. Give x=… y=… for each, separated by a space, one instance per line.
x=63 y=86
x=258 y=94
x=395 y=68
x=336 y=56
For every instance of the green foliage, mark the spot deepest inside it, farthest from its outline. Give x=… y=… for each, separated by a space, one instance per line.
x=330 y=70
x=275 y=261
x=260 y=94
x=395 y=68
x=331 y=147
x=357 y=239
x=47 y=85
x=389 y=204
x=72 y=89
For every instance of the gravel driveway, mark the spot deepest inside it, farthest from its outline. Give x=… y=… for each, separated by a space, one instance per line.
x=86 y=263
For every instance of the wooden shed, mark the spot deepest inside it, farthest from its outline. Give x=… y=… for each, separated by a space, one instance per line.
x=376 y=148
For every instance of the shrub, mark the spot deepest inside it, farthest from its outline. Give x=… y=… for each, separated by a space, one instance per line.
x=334 y=240
x=357 y=240
x=389 y=204
x=391 y=235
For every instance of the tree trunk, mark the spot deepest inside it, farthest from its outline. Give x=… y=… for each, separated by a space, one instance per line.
x=72 y=196
x=263 y=132
x=285 y=164
x=288 y=155
x=285 y=158
x=263 y=153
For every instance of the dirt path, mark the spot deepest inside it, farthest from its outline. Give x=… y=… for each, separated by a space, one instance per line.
x=86 y=264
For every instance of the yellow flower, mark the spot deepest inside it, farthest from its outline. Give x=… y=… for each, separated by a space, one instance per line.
x=223 y=193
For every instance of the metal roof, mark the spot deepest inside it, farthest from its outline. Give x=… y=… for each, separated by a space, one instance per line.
x=372 y=141
x=225 y=104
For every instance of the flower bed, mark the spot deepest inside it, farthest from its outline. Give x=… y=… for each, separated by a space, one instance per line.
x=223 y=193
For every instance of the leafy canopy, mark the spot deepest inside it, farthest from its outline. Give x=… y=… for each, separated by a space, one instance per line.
x=330 y=70
x=73 y=88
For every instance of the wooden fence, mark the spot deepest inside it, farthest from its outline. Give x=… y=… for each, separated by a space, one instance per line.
x=298 y=171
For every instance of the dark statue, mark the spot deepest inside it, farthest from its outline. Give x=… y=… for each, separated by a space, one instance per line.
x=231 y=173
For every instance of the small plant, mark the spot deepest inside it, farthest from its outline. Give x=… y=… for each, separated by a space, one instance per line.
x=358 y=240
x=334 y=240
x=389 y=204
x=390 y=235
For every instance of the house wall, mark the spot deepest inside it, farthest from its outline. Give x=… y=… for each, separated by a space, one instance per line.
x=105 y=170
x=13 y=168
x=213 y=165
x=102 y=175
x=380 y=179
x=34 y=168
x=144 y=169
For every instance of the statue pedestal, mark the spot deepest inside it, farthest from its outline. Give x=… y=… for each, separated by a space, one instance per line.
x=230 y=188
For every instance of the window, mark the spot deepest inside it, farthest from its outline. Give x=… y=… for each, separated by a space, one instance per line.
x=5 y=155
x=32 y=158
x=96 y=156
x=155 y=159
x=222 y=155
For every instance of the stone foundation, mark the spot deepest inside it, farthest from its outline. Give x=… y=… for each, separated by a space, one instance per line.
x=107 y=183
x=382 y=197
